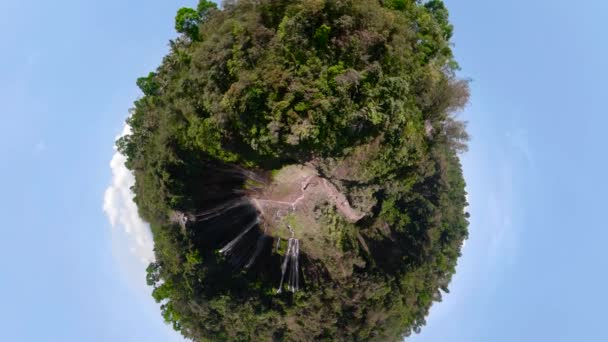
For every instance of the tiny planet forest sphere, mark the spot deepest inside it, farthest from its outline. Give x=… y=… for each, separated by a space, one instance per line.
x=298 y=162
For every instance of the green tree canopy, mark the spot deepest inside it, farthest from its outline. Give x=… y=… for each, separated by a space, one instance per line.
x=205 y=7
x=186 y=22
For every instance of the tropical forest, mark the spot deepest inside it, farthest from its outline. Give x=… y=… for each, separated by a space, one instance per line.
x=298 y=163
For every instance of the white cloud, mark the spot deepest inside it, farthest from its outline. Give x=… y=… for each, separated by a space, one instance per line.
x=132 y=243
x=129 y=232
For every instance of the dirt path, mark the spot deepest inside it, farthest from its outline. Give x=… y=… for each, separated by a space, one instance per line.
x=313 y=185
x=341 y=202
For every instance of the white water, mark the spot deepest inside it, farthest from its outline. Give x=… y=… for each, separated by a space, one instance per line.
x=292 y=259
x=232 y=243
x=221 y=209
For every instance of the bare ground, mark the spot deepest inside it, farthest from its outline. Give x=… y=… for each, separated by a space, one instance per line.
x=296 y=186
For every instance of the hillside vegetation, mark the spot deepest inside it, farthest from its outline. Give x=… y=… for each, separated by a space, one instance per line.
x=326 y=122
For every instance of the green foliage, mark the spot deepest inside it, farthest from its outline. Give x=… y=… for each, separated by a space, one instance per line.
x=440 y=13
x=397 y=4
x=365 y=91
x=148 y=85
x=340 y=233
x=322 y=35
x=205 y=8
x=186 y=22
x=162 y=292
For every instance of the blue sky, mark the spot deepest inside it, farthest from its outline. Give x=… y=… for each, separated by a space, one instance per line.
x=532 y=270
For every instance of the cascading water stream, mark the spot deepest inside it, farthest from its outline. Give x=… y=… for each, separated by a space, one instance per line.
x=228 y=248
x=291 y=261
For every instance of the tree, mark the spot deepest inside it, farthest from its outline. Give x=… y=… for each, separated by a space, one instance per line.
x=440 y=12
x=204 y=9
x=187 y=21
x=148 y=85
